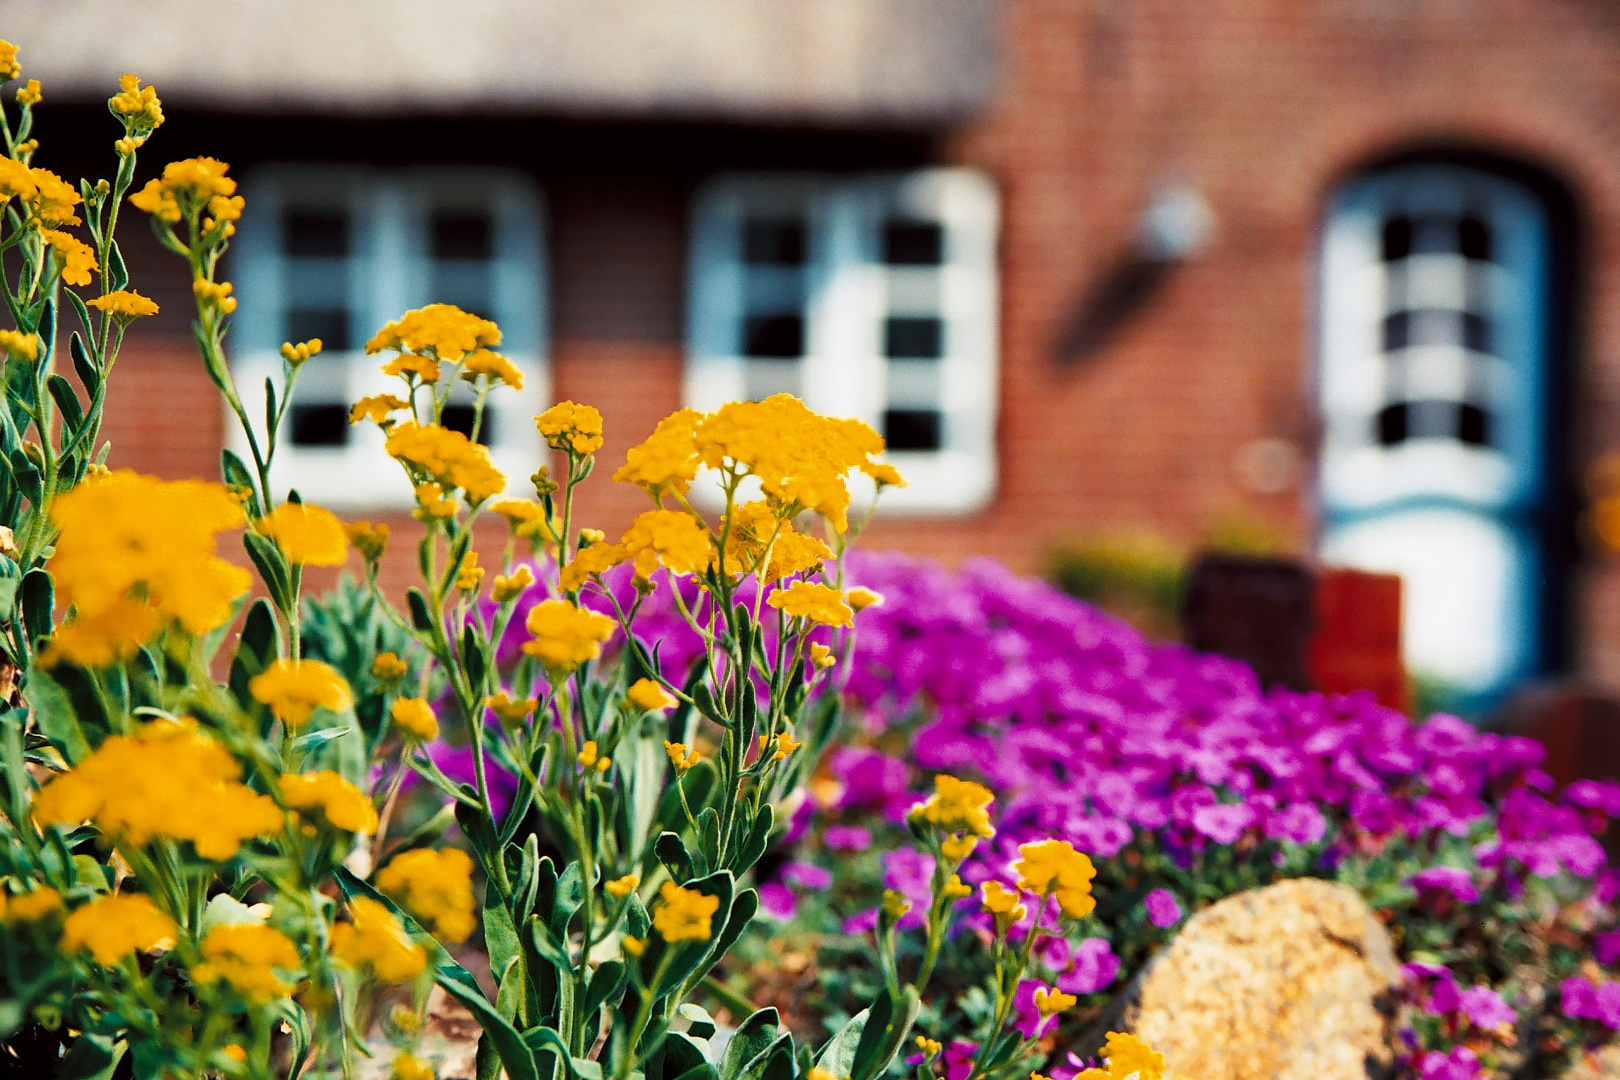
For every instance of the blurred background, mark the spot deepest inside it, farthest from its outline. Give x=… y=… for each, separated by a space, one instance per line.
x=1290 y=328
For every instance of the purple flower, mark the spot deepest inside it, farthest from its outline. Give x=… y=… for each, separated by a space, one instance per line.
x=847 y=837
x=1027 y=1018
x=910 y=873
x=1606 y=947
x=1444 y=996
x=1299 y=823
x=806 y=875
x=1162 y=909
x=1579 y=998
x=1449 y=879
x=863 y=923
x=1460 y=1064
x=778 y=901
x=1095 y=968
x=1485 y=1008
x=958 y=1057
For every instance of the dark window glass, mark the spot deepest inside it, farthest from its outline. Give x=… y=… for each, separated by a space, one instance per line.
x=1397 y=330
x=1436 y=326
x=1474 y=239
x=912 y=429
x=774 y=337
x=1434 y=236
x=913 y=243
x=1473 y=425
x=773 y=243
x=912 y=338
x=463 y=236
x=1431 y=419
x=331 y=325
x=1397 y=239
x=1476 y=332
x=319 y=234
x=1392 y=424
x=459 y=417
x=320 y=425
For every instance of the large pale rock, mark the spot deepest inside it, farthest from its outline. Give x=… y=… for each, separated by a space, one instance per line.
x=1283 y=983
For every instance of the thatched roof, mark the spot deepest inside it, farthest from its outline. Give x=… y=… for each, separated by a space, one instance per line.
x=814 y=61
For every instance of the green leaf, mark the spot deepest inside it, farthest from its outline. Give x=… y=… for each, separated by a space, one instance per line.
x=38 y=598
x=272 y=567
x=886 y=1029
x=91 y=1057
x=64 y=702
x=749 y=1041
x=456 y=981
x=82 y=367
x=236 y=474
x=606 y=982
x=671 y=851
x=742 y=911
x=753 y=845
x=708 y=852
x=66 y=400
x=472 y=656
x=421 y=618
x=547 y=946
x=117 y=274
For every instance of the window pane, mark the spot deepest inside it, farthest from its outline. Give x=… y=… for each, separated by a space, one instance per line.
x=773 y=243
x=324 y=424
x=779 y=337
x=912 y=429
x=913 y=243
x=462 y=236
x=910 y=337
x=331 y=325
x=316 y=234
x=458 y=416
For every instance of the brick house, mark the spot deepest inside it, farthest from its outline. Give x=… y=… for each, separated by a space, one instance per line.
x=1349 y=265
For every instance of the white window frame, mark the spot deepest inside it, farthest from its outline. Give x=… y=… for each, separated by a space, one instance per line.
x=848 y=293
x=390 y=272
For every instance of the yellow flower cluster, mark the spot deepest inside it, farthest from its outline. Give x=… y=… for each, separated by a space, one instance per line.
x=189 y=187
x=377 y=408
x=589 y=757
x=9 y=67
x=590 y=561
x=469 y=575
x=247 y=957
x=15 y=343
x=138 y=107
x=527 y=519
x=1002 y=902
x=343 y=805
x=649 y=696
x=408 y=1067
x=442 y=330
x=492 y=366
x=679 y=542
x=309 y=535
x=755 y=530
x=511 y=713
x=294 y=689
x=571 y=428
x=1051 y=1001
x=167 y=779
x=54 y=201
x=1054 y=868
x=113 y=927
x=430 y=452
x=958 y=806
x=1128 y=1057
x=667 y=462
x=619 y=888
x=296 y=354
x=681 y=757
x=136 y=553
x=388 y=667
x=124 y=304
x=214 y=294
x=77 y=260
x=507 y=587
x=564 y=636
x=375 y=939
x=818 y=603
x=436 y=888
x=413 y=368
x=415 y=717
x=368 y=539
x=684 y=914
x=30 y=906
x=28 y=94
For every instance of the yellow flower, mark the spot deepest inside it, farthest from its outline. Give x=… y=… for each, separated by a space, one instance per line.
x=1128 y=1057
x=294 y=689
x=681 y=757
x=928 y=1046
x=571 y=428
x=1000 y=900
x=297 y=354
x=755 y=529
x=431 y=452
x=375 y=939
x=431 y=504
x=164 y=779
x=684 y=914
x=407 y=1067
x=821 y=657
x=564 y=636
x=53 y=205
x=589 y=562
x=235 y=1052
x=648 y=696
x=113 y=927
x=187 y=187
x=413 y=368
x=860 y=598
x=785 y=745
x=587 y=537
x=28 y=94
x=137 y=106
x=210 y=294
x=376 y=408
x=388 y=667
x=634 y=946
x=818 y=603
x=587 y=755
x=511 y=712
x=676 y=541
x=100 y=638
x=818 y=1073
x=78 y=260
x=443 y=330
x=469 y=575
x=668 y=460
x=125 y=303
x=958 y=806
x=523 y=517
x=19 y=345
x=956 y=888
x=957 y=847
x=415 y=715
x=343 y=805
x=1052 y=1001
x=620 y=888
x=511 y=586
x=436 y=888
x=9 y=67
x=247 y=957
x=1055 y=868
x=895 y=905
x=310 y=535
x=491 y=366
x=368 y=539
x=31 y=906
